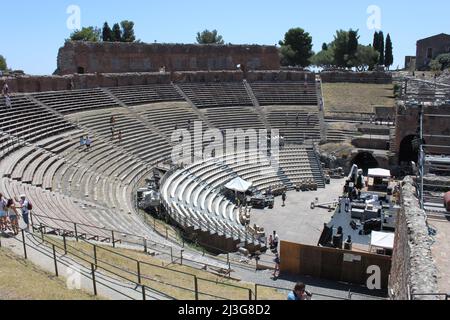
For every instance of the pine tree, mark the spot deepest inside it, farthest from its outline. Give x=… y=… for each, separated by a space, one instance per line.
x=324 y=47
x=376 y=42
x=381 y=47
x=116 y=33
x=389 y=55
x=107 y=33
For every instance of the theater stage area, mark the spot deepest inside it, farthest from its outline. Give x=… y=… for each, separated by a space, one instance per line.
x=297 y=222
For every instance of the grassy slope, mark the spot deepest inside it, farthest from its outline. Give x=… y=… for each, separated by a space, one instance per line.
x=356 y=97
x=22 y=280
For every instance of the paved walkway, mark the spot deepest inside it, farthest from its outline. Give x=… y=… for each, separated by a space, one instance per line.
x=297 y=222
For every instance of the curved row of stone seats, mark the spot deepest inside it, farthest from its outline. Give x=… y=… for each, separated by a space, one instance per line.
x=144 y=94
x=76 y=100
x=223 y=94
x=199 y=187
x=30 y=121
x=286 y=93
x=234 y=118
x=168 y=116
x=295 y=124
x=61 y=212
x=209 y=219
x=296 y=164
x=137 y=138
x=100 y=175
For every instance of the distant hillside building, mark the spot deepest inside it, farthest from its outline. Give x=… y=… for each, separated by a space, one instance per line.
x=429 y=48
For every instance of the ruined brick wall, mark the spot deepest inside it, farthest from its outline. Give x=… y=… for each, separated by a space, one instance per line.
x=116 y=57
x=407 y=123
x=24 y=84
x=438 y=44
x=356 y=77
x=413 y=269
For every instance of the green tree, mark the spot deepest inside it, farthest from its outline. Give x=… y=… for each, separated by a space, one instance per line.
x=107 y=35
x=376 y=41
x=209 y=37
x=324 y=46
x=296 y=49
x=352 y=47
x=340 y=46
x=116 y=33
x=366 y=58
x=128 y=31
x=435 y=65
x=324 y=58
x=381 y=48
x=86 y=34
x=3 y=65
x=389 y=55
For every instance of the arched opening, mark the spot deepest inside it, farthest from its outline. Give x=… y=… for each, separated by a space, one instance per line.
x=409 y=150
x=365 y=161
x=80 y=70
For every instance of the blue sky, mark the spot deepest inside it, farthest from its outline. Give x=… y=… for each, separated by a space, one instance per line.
x=32 y=31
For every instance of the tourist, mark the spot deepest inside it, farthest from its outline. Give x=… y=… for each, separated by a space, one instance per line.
x=270 y=241
x=112 y=121
x=5 y=90
x=82 y=142
x=8 y=102
x=113 y=133
x=276 y=240
x=299 y=293
x=276 y=272
x=13 y=216
x=88 y=143
x=3 y=204
x=283 y=197
x=119 y=137
x=26 y=207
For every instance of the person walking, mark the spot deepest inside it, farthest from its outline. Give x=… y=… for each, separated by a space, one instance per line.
x=25 y=206
x=276 y=241
x=119 y=137
x=276 y=272
x=8 y=103
x=13 y=216
x=3 y=221
x=284 y=197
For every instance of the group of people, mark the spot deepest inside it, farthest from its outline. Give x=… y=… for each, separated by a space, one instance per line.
x=9 y=213
x=86 y=142
x=112 y=122
x=274 y=242
x=6 y=95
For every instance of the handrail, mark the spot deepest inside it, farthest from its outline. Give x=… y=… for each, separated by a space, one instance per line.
x=138 y=273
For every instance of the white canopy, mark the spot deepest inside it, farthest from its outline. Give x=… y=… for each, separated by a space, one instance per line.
x=382 y=240
x=379 y=173
x=238 y=185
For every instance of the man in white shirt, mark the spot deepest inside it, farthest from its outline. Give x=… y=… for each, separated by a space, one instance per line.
x=24 y=205
x=8 y=102
x=276 y=240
